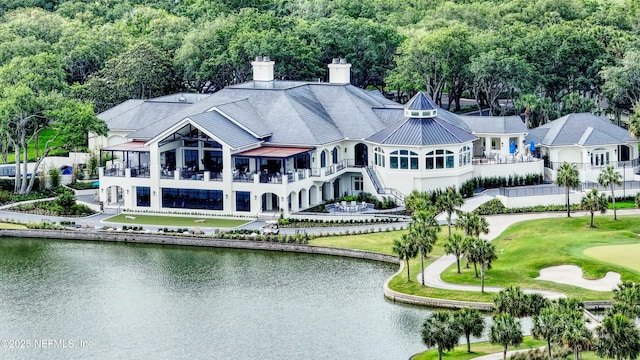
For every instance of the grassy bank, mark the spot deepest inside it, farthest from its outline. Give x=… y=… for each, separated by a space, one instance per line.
x=478 y=349
x=159 y=220
x=525 y=248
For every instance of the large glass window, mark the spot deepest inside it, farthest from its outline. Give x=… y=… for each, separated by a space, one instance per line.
x=242 y=164
x=334 y=155
x=403 y=159
x=600 y=157
x=323 y=159
x=439 y=159
x=143 y=197
x=212 y=161
x=243 y=201
x=302 y=161
x=379 y=157
x=192 y=199
x=465 y=156
x=191 y=159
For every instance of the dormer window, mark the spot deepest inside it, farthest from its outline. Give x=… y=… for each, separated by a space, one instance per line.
x=420 y=113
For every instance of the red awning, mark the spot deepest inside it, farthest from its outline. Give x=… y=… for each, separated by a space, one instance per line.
x=128 y=146
x=274 y=151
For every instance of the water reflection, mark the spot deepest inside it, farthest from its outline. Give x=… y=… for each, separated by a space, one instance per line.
x=141 y=301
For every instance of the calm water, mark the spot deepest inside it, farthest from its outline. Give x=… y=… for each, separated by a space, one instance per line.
x=101 y=300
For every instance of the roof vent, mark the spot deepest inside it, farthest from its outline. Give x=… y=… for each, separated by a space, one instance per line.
x=335 y=61
x=343 y=61
x=266 y=58
x=263 y=68
x=258 y=58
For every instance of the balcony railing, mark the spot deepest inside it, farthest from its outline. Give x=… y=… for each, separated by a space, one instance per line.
x=504 y=159
x=554 y=165
x=114 y=171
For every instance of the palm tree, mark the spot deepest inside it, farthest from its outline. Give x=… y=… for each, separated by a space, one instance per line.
x=626 y=299
x=455 y=246
x=406 y=249
x=594 y=202
x=548 y=326
x=423 y=230
x=568 y=177
x=475 y=225
x=441 y=330
x=576 y=336
x=505 y=331
x=610 y=177
x=485 y=253
x=512 y=301
x=448 y=202
x=470 y=322
x=464 y=222
x=617 y=338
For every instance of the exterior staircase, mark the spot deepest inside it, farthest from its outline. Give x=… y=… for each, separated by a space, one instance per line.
x=381 y=189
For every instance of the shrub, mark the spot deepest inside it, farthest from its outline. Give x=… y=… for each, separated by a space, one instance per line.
x=54 y=177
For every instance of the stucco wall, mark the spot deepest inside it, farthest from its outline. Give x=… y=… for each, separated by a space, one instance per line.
x=522 y=168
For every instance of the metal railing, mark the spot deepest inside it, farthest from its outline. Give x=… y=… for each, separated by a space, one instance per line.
x=114 y=171
x=504 y=159
x=554 y=165
x=537 y=190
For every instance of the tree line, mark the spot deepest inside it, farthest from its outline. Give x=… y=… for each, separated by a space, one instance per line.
x=561 y=323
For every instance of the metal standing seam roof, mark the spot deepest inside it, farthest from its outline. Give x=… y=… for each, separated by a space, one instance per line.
x=228 y=132
x=421 y=101
x=583 y=129
x=495 y=124
x=415 y=131
x=275 y=151
x=137 y=146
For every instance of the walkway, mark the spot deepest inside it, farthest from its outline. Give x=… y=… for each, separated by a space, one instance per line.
x=497 y=224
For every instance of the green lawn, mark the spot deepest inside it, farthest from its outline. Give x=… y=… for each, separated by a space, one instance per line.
x=624 y=255
x=12 y=226
x=160 y=220
x=380 y=242
x=42 y=140
x=477 y=349
x=525 y=248
x=626 y=204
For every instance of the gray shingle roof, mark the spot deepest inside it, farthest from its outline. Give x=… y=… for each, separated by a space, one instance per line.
x=225 y=130
x=583 y=129
x=495 y=124
x=291 y=112
x=420 y=101
x=431 y=131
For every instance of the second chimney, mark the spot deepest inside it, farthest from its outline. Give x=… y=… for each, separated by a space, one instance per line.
x=339 y=71
x=262 y=68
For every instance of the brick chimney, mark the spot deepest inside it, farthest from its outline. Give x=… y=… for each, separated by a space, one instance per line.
x=339 y=72
x=262 y=68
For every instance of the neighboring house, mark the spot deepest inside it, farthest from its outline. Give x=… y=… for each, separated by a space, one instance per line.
x=590 y=142
x=267 y=146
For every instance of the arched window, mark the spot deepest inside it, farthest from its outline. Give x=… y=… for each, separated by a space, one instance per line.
x=378 y=157
x=465 y=156
x=334 y=155
x=403 y=159
x=323 y=159
x=439 y=159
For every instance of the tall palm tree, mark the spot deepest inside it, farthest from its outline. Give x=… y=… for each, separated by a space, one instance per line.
x=505 y=331
x=406 y=249
x=568 y=177
x=485 y=253
x=449 y=201
x=464 y=221
x=610 y=177
x=594 y=202
x=455 y=246
x=617 y=338
x=548 y=326
x=626 y=299
x=576 y=336
x=511 y=300
x=478 y=225
x=474 y=225
x=440 y=329
x=423 y=229
x=471 y=323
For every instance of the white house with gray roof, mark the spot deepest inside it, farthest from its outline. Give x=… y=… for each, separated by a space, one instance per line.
x=266 y=146
x=590 y=142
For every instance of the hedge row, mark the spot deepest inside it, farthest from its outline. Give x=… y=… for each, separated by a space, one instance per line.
x=467 y=189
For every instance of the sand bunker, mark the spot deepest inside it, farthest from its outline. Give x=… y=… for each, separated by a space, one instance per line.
x=572 y=275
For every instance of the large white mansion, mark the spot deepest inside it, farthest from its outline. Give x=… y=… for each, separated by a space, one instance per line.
x=269 y=145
